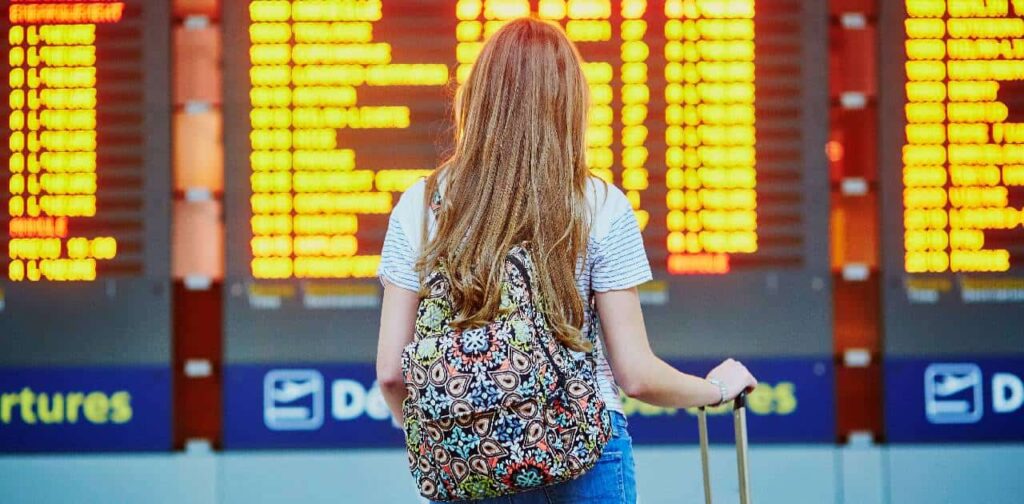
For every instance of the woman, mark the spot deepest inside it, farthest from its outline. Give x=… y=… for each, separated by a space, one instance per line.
x=519 y=174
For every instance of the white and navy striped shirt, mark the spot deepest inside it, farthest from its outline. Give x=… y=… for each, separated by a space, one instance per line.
x=616 y=258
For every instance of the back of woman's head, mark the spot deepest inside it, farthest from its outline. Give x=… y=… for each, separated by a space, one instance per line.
x=518 y=174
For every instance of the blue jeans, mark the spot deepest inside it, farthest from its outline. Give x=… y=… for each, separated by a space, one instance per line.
x=611 y=481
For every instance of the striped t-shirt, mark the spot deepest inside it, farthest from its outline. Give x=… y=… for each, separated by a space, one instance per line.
x=616 y=258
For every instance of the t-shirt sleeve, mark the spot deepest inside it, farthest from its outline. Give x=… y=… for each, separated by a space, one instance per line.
x=399 y=254
x=620 y=260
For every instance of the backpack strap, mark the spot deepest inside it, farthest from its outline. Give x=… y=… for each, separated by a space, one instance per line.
x=434 y=206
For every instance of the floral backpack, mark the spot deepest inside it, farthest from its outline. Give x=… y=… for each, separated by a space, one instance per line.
x=502 y=408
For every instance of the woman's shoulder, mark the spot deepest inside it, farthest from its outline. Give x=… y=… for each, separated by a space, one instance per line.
x=607 y=204
x=411 y=200
x=407 y=213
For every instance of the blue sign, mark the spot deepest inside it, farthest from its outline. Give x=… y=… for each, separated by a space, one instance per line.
x=954 y=399
x=62 y=409
x=794 y=403
x=323 y=406
x=340 y=405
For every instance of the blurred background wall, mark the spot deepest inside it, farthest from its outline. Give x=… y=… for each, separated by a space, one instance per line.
x=196 y=194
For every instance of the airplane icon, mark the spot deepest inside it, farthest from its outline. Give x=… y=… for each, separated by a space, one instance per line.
x=953 y=393
x=293 y=399
x=950 y=384
x=292 y=390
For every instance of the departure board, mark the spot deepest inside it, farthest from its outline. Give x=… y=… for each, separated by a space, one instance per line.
x=953 y=176
x=85 y=187
x=711 y=116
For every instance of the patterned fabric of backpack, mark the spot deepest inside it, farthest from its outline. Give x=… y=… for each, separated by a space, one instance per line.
x=502 y=408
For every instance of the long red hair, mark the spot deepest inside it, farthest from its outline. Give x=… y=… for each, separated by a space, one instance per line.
x=518 y=174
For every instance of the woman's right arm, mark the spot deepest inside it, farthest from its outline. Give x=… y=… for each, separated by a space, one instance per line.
x=643 y=375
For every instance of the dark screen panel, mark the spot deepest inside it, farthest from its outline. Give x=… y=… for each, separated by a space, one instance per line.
x=712 y=121
x=952 y=151
x=85 y=268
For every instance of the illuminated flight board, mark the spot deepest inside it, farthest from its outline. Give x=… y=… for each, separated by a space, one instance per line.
x=85 y=183
x=710 y=115
x=954 y=175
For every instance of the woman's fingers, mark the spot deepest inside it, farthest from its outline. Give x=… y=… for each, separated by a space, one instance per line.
x=736 y=377
x=751 y=381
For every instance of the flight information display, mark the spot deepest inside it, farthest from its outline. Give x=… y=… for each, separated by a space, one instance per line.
x=711 y=116
x=85 y=186
x=953 y=175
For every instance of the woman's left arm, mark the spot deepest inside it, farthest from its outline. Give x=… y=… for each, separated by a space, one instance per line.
x=397 y=324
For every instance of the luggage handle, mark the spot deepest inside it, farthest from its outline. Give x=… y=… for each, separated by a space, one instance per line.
x=739 y=420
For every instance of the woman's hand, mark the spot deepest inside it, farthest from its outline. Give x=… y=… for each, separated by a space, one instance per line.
x=734 y=376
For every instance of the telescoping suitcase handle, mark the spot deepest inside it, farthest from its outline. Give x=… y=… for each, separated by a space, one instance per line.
x=739 y=420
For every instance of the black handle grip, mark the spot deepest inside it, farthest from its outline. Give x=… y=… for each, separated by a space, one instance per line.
x=740 y=401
